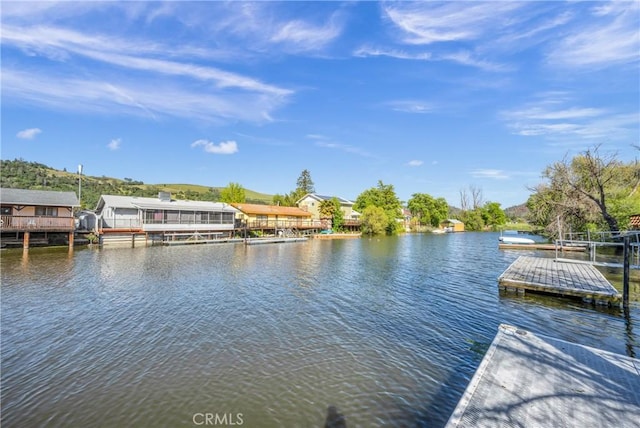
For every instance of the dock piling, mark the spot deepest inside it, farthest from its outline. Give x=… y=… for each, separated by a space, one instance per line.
x=626 y=255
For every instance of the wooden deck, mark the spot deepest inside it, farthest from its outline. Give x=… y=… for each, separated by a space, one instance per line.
x=529 y=380
x=561 y=278
x=545 y=247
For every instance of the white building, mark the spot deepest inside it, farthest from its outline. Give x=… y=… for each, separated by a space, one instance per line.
x=162 y=215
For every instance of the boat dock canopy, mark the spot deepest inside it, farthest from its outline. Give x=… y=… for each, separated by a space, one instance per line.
x=529 y=380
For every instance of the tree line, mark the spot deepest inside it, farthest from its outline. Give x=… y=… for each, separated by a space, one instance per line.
x=590 y=191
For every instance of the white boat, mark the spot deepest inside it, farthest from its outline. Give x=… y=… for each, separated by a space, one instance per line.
x=515 y=240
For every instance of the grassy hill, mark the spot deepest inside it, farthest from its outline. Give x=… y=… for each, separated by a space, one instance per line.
x=20 y=174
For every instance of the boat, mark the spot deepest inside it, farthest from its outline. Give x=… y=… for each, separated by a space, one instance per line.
x=515 y=240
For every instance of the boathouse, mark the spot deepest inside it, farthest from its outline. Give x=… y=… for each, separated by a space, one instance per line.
x=141 y=220
x=30 y=217
x=452 y=225
x=274 y=218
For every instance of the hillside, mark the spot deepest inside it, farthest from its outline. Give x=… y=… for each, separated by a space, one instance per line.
x=20 y=174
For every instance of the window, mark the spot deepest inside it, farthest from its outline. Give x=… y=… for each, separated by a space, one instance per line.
x=171 y=216
x=47 y=211
x=6 y=210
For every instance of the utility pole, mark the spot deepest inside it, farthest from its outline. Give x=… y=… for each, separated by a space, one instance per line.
x=80 y=184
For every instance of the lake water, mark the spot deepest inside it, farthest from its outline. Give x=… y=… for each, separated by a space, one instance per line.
x=388 y=330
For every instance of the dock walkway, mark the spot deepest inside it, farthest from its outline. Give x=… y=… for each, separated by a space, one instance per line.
x=561 y=278
x=530 y=380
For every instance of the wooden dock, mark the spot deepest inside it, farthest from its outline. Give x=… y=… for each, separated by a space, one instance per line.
x=529 y=380
x=544 y=247
x=560 y=278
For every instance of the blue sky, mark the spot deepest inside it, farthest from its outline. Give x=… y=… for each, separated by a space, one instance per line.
x=429 y=97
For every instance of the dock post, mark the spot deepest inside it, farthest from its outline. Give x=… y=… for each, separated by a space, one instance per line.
x=71 y=236
x=25 y=240
x=626 y=253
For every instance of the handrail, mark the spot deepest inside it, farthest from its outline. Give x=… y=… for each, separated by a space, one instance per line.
x=36 y=223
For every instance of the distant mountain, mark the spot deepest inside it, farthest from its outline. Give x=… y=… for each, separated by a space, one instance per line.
x=517 y=212
x=20 y=174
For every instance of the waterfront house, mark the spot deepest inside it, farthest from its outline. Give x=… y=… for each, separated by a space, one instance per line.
x=311 y=202
x=162 y=217
x=265 y=217
x=452 y=225
x=36 y=215
x=634 y=222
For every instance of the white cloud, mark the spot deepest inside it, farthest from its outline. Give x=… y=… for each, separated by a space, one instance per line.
x=410 y=106
x=223 y=148
x=28 y=134
x=551 y=117
x=427 y=22
x=86 y=94
x=344 y=147
x=611 y=37
x=114 y=144
x=415 y=162
x=366 y=51
x=495 y=174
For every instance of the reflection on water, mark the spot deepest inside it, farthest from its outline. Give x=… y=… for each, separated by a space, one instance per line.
x=381 y=331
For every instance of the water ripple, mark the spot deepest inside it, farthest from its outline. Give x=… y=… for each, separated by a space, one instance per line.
x=388 y=330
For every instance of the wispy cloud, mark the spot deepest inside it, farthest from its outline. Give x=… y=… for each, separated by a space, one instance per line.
x=87 y=94
x=553 y=118
x=28 y=134
x=325 y=142
x=114 y=144
x=366 y=51
x=223 y=148
x=410 y=106
x=494 y=174
x=427 y=22
x=612 y=37
x=415 y=162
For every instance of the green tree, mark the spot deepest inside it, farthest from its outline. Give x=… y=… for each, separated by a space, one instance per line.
x=472 y=219
x=332 y=210
x=493 y=215
x=374 y=220
x=305 y=183
x=589 y=191
x=234 y=192
x=383 y=196
x=427 y=210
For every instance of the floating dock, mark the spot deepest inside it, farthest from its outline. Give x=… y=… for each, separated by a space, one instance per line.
x=561 y=278
x=258 y=241
x=529 y=380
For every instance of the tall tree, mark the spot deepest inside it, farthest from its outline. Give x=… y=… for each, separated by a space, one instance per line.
x=234 y=192
x=588 y=189
x=427 y=210
x=383 y=196
x=305 y=183
x=493 y=215
x=373 y=221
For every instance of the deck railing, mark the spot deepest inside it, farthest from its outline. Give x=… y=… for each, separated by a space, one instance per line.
x=285 y=224
x=36 y=223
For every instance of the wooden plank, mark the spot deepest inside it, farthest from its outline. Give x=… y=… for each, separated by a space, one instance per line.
x=547 y=247
x=562 y=278
x=534 y=380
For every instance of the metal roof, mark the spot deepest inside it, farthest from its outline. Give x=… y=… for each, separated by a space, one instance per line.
x=257 y=209
x=38 y=197
x=136 y=202
x=326 y=198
